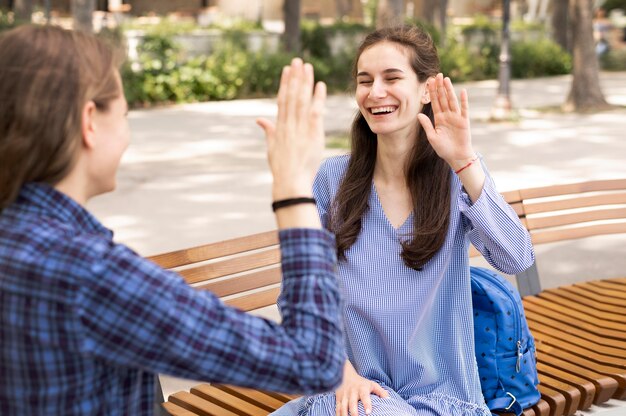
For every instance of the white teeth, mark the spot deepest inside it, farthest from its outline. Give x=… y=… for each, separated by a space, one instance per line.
x=379 y=110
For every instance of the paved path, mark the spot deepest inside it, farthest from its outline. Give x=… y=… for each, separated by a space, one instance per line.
x=197 y=173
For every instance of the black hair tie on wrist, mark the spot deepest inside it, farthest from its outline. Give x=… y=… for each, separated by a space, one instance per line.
x=291 y=201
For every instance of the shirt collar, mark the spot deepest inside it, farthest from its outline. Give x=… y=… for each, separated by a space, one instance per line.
x=42 y=199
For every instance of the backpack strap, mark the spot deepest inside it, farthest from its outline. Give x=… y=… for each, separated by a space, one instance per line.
x=506 y=404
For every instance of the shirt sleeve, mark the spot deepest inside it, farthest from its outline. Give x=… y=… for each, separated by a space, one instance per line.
x=135 y=314
x=496 y=231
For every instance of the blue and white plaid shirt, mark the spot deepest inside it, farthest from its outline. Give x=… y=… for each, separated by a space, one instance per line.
x=85 y=323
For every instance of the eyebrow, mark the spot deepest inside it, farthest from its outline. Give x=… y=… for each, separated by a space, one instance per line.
x=386 y=71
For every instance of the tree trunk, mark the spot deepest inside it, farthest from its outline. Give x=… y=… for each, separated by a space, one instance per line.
x=561 y=29
x=585 y=94
x=443 y=20
x=343 y=8
x=291 y=36
x=23 y=10
x=82 y=12
x=428 y=11
x=389 y=13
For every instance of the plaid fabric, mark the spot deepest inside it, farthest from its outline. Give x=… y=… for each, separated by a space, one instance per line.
x=85 y=323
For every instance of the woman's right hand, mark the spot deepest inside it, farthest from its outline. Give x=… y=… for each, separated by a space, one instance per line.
x=353 y=389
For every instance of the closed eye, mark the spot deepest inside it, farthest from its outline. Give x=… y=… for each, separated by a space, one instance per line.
x=365 y=82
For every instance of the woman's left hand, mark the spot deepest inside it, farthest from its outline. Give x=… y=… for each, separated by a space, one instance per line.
x=450 y=136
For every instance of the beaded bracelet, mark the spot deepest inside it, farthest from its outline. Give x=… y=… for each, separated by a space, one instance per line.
x=291 y=201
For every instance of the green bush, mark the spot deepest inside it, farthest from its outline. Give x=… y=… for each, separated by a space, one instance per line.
x=541 y=58
x=234 y=72
x=614 y=60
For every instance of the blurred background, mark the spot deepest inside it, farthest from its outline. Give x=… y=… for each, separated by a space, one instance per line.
x=198 y=50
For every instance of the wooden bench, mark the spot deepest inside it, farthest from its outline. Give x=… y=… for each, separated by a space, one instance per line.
x=580 y=329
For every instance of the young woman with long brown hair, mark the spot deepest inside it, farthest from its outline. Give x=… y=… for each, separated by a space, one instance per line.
x=404 y=206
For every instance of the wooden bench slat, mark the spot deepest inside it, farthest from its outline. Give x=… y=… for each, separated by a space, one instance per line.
x=215 y=250
x=542 y=408
x=606 y=387
x=568 y=331
x=573 y=188
x=583 y=320
x=231 y=266
x=608 y=337
x=549 y=236
x=241 y=284
x=616 y=286
x=617 y=374
x=176 y=410
x=574 y=203
x=198 y=405
x=614 y=294
x=584 y=291
x=535 y=223
x=228 y=401
x=255 y=301
x=257 y=397
x=582 y=308
x=586 y=302
x=571 y=394
x=577 y=346
x=586 y=388
x=555 y=400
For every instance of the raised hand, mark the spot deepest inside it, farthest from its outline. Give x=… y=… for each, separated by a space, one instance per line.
x=295 y=143
x=450 y=136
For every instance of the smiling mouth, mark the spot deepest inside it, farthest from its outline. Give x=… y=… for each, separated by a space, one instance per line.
x=382 y=110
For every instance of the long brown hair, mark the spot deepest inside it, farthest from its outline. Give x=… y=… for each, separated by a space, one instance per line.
x=427 y=175
x=47 y=75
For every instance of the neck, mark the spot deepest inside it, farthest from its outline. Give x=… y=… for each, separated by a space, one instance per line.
x=392 y=155
x=73 y=186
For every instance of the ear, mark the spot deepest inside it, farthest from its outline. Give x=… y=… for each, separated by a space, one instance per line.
x=88 y=125
x=425 y=97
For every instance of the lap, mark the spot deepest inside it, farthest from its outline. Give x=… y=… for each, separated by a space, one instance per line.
x=324 y=405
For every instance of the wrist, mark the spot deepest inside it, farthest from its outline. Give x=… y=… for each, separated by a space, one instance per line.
x=459 y=165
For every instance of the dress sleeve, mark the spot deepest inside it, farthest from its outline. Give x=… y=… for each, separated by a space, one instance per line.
x=135 y=314
x=496 y=231
x=322 y=194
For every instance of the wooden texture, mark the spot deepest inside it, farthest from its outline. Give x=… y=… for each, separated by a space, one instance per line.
x=579 y=330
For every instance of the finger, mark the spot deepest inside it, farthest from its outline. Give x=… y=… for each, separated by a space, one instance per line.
x=378 y=390
x=305 y=93
x=464 y=104
x=450 y=94
x=432 y=92
x=428 y=127
x=354 y=403
x=366 y=400
x=268 y=127
x=282 y=96
x=442 y=98
x=344 y=405
x=295 y=81
x=317 y=108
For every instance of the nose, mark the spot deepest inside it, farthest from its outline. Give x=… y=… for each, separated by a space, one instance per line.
x=377 y=90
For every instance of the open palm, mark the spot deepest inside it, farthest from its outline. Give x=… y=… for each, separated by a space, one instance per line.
x=450 y=136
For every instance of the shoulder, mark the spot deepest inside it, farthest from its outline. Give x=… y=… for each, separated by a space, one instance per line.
x=334 y=166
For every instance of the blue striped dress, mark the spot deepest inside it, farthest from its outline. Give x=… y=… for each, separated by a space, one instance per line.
x=412 y=331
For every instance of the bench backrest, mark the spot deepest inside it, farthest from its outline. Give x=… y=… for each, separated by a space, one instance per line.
x=245 y=271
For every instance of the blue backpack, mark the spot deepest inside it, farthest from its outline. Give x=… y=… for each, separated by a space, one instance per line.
x=505 y=349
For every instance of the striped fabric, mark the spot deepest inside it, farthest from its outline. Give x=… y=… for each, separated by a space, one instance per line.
x=412 y=331
x=85 y=323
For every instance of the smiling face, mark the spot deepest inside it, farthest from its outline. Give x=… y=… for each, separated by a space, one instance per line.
x=388 y=92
